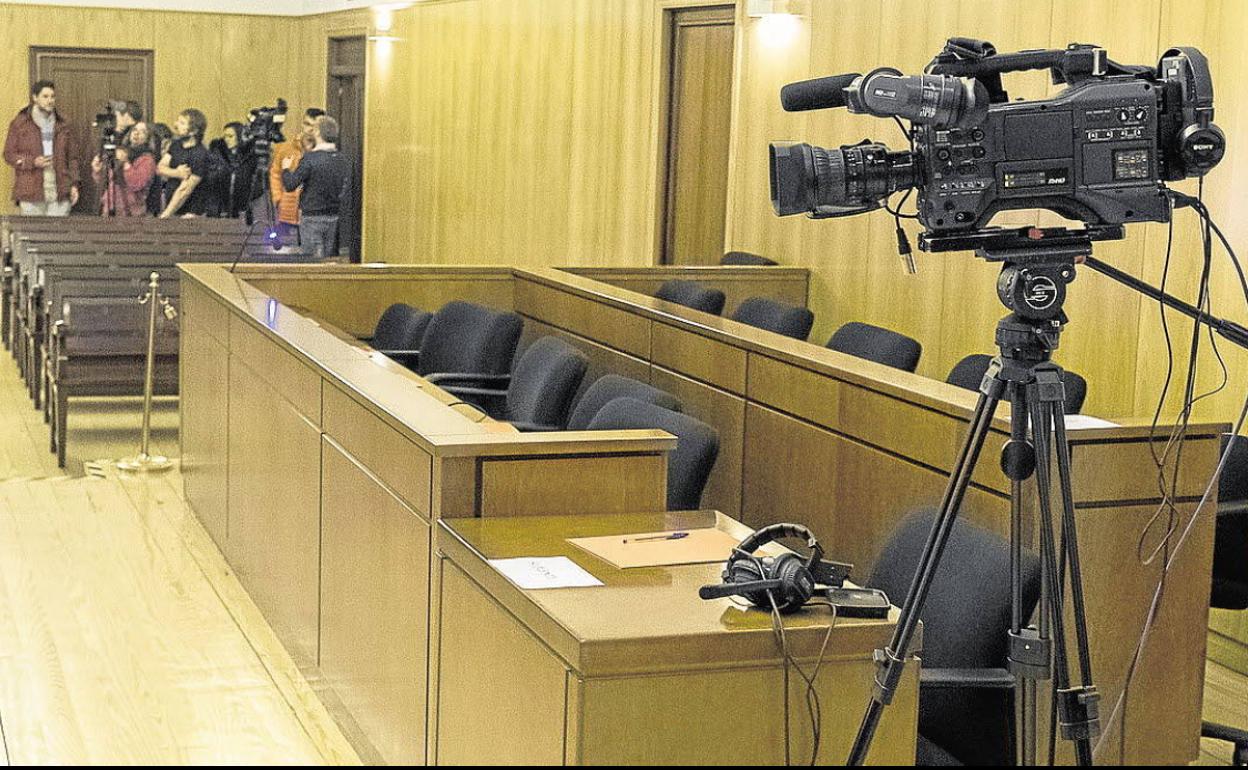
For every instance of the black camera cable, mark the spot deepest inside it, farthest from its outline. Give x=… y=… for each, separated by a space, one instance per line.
x=903 y=241
x=251 y=230
x=814 y=710
x=1172 y=552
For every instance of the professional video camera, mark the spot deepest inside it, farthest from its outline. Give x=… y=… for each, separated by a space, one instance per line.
x=264 y=127
x=1098 y=152
x=262 y=131
x=105 y=125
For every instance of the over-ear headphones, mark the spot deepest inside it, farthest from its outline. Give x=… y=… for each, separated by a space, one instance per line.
x=787 y=578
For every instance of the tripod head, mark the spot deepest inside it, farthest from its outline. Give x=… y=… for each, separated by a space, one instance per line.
x=1037 y=263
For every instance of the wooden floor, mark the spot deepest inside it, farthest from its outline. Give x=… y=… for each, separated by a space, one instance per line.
x=125 y=638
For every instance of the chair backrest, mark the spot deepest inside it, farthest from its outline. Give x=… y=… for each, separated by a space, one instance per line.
x=745 y=258
x=544 y=381
x=464 y=337
x=609 y=387
x=692 y=294
x=1230 y=539
x=401 y=327
x=969 y=373
x=965 y=621
x=775 y=317
x=689 y=464
x=878 y=344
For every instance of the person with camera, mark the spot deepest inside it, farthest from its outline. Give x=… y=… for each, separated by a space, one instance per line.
x=286 y=204
x=126 y=114
x=323 y=177
x=133 y=172
x=233 y=190
x=184 y=166
x=39 y=148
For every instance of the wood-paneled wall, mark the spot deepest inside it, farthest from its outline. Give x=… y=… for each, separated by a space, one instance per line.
x=514 y=132
x=222 y=64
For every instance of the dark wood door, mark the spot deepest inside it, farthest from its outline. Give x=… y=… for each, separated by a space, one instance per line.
x=86 y=80
x=699 y=113
x=345 y=102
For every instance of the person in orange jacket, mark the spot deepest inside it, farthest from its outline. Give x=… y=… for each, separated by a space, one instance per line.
x=286 y=204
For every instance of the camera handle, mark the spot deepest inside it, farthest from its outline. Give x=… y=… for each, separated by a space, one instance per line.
x=978 y=59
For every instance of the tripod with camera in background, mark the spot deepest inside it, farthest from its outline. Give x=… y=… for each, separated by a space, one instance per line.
x=262 y=131
x=113 y=178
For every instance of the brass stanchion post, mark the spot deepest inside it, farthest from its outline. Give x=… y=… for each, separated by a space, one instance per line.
x=145 y=462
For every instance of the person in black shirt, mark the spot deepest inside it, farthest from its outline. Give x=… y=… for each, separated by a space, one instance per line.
x=325 y=176
x=184 y=166
x=234 y=190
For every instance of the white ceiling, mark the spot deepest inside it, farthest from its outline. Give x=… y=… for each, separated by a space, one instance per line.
x=260 y=7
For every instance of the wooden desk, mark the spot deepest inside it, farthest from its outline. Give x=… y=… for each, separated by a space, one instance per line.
x=319 y=467
x=640 y=670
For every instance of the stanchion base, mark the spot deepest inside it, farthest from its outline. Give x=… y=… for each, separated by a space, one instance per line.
x=145 y=464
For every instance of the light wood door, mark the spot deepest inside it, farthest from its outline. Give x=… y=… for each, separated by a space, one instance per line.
x=86 y=80
x=699 y=116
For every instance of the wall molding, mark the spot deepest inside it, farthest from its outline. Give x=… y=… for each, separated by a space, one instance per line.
x=246 y=7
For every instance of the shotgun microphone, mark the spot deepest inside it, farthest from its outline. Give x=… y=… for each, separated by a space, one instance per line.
x=817 y=94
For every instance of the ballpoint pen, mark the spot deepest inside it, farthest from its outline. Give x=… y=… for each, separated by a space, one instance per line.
x=672 y=536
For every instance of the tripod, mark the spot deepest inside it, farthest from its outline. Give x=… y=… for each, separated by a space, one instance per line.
x=259 y=183
x=1032 y=285
x=108 y=158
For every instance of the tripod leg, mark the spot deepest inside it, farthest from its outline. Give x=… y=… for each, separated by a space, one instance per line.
x=1076 y=707
x=890 y=662
x=1018 y=471
x=1085 y=699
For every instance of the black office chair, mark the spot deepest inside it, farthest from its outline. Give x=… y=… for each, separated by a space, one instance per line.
x=539 y=391
x=745 y=258
x=609 y=387
x=774 y=316
x=969 y=373
x=966 y=694
x=689 y=464
x=878 y=344
x=468 y=344
x=1230 y=566
x=692 y=294
x=399 y=332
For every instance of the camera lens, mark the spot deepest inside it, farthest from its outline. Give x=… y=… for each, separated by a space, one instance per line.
x=809 y=179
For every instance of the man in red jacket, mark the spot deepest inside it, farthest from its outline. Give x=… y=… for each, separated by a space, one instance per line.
x=38 y=147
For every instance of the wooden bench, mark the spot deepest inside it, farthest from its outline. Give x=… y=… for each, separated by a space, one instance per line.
x=39 y=306
x=101 y=350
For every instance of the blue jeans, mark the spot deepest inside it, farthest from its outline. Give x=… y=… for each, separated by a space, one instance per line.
x=318 y=234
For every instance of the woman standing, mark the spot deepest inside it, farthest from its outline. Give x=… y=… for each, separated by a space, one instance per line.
x=234 y=190
x=134 y=168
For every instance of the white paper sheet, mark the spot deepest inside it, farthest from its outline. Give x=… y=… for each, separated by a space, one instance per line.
x=1083 y=421
x=533 y=572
